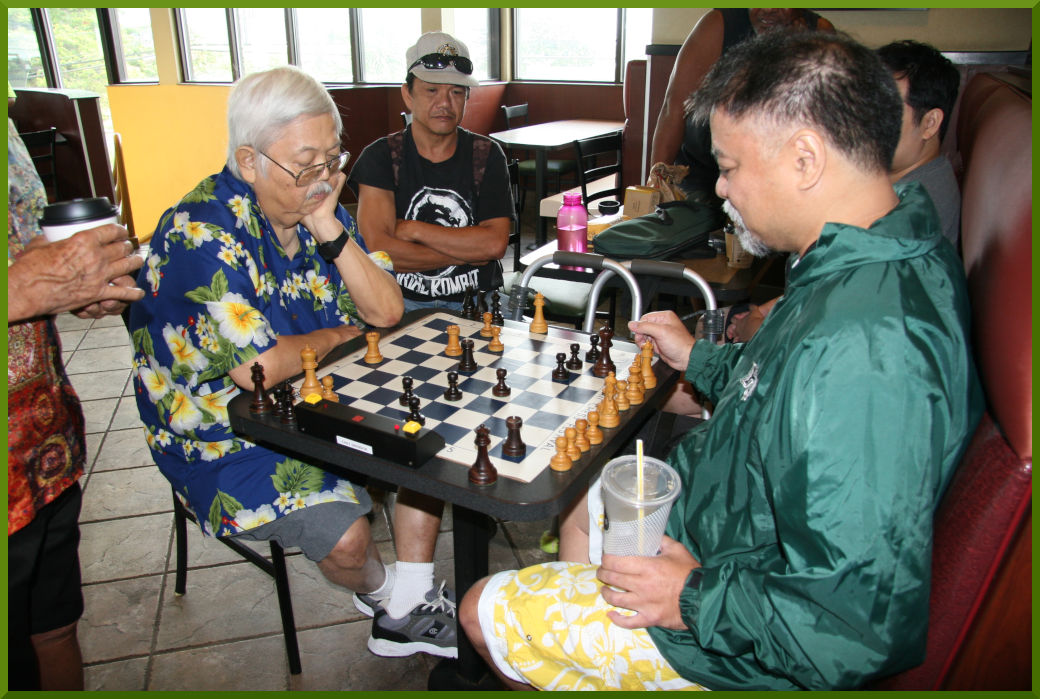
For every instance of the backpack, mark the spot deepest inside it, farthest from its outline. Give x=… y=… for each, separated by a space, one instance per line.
x=674 y=229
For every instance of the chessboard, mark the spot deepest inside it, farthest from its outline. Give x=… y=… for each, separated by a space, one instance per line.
x=546 y=406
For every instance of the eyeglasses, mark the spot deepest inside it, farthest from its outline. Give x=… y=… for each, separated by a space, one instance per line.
x=309 y=175
x=440 y=61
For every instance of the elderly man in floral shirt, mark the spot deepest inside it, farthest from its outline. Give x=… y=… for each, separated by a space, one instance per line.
x=252 y=265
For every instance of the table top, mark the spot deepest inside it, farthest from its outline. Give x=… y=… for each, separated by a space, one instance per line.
x=546 y=495
x=555 y=134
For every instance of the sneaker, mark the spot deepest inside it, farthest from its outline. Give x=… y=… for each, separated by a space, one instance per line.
x=428 y=628
x=368 y=604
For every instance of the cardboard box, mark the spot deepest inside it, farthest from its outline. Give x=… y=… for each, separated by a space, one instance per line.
x=640 y=201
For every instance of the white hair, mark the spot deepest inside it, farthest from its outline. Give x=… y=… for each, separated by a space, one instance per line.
x=262 y=104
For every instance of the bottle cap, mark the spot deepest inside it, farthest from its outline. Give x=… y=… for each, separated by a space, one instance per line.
x=571 y=199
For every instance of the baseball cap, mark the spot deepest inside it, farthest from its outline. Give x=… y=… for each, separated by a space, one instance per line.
x=441 y=59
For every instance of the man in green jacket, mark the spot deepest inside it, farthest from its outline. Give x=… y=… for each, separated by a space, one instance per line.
x=798 y=553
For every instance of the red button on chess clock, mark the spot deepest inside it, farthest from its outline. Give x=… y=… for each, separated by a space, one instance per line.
x=358 y=418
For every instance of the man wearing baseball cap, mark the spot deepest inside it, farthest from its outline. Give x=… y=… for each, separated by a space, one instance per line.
x=435 y=196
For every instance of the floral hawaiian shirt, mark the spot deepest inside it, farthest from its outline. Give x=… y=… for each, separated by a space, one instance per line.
x=45 y=442
x=219 y=290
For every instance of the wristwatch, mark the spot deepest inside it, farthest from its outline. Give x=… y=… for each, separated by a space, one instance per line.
x=331 y=250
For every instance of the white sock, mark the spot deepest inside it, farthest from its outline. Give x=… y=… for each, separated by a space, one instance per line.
x=384 y=590
x=412 y=582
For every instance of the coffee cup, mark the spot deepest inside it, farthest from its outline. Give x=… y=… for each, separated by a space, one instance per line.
x=635 y=517
x=66 y=218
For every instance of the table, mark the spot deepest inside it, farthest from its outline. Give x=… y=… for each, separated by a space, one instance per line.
x=731 y=285
x=545 y=496
x=550 y=136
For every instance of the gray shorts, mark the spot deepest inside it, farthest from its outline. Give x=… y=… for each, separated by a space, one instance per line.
x=316 y=529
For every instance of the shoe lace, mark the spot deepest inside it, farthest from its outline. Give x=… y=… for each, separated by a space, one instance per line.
x=440 y=602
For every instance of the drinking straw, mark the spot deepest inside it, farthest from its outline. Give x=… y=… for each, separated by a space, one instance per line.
x=639 y=490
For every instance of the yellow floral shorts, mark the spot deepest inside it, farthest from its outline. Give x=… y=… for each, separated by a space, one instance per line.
x=547 y=626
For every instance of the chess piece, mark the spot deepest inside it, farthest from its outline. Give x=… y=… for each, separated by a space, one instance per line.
x=496 y=309
x=604 y=365
x=468 y=364
x=482 y=472
x=453 y=349
x=468 y=310
x=288 y=410
x=372 y=356
x=574 y=363
x=481 y=304
x=406 y=382
x=621 y=397
x=560 y=372
x=276 y=393
x=560 y=461
x=582 y=440
x=593 y=353
x=635 y=384
x=310 y=378
x=495 y=344
x=486 y=330
x=646 y=354
x=514 y=445
x=326 y=389
x=595 y=434
x=573 y=451
x=538 y=324
x=413 y=411
x=500 y=389
x=609 y=386
x=261 y=401
x=608 y=412
x=453 y=392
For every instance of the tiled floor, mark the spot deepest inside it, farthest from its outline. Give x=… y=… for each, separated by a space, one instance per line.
x=225 y=632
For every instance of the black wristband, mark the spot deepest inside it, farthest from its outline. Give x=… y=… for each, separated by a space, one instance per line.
x=694 y=581
x=330 y=251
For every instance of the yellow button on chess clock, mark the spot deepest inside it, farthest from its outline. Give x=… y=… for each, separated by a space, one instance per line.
x=313 y=398
x=411 y=427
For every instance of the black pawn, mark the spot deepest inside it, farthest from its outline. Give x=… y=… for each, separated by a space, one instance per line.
x=453 y=392
x=496 y=310
x=468 y=311
x=574 y=364
x=514 y=445
x=468 y=364
x=406 y=381
x=482 y=472
x=261 y=401
x=593 y=353
x=288 y=410
x=413 y=411
x=500 y=389
x=482 y=306
x=276 y=394
x=560 y=372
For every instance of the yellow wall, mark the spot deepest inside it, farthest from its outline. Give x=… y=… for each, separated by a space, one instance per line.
x=173 y=136
x=946 y=29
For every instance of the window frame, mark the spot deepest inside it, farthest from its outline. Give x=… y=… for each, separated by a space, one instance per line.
x=619 y=53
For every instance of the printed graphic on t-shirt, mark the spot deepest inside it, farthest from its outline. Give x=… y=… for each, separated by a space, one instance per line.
x=443 y=207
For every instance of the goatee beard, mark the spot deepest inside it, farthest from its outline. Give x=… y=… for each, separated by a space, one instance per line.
x=748 y=240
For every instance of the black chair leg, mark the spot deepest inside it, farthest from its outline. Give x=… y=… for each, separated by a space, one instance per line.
x=281 y=584
x=180 y=525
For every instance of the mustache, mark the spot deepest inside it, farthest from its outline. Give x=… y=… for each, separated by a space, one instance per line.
x=319 y=188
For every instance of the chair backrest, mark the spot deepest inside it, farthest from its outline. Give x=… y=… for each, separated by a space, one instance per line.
x=516 y=112
x=406 y=119
x=513 y=168
x=980 y=607
x=589 y=154
x=120 y=187
x=40 y=145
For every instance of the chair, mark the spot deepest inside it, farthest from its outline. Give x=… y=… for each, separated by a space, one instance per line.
x=406 y=118
x=274 y=567
x=589 y=152
x=120 y=186
x=528 y=166
x=40 y=145
x=513 y=168
x=980 y=606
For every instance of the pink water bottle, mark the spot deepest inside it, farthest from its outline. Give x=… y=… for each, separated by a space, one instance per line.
x=572 y=225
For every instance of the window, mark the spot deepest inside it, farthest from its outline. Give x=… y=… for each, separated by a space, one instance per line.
x=24 y=64
x=262 y=38
x=133 y=27
x=325 y=44
x=205 y=45
x=580 y=45
x=383 y=48
x=477 y=27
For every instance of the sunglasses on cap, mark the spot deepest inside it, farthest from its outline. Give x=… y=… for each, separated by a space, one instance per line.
x=440 y=61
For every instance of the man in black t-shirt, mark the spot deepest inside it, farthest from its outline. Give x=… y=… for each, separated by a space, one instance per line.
x=435 y=196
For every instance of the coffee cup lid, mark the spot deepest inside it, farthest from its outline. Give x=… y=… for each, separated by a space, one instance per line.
x=608 y=207
x=77 y=210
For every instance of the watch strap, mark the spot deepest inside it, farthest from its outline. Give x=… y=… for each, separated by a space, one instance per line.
x=330 y=250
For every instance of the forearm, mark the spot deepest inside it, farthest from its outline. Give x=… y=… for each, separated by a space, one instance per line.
x=473 y=244
x=39 y=284
x=667 y=135
x=375 y=291
x=283 y=360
